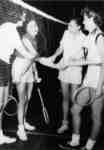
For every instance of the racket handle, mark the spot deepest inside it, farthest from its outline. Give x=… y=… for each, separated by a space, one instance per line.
x=46 y=116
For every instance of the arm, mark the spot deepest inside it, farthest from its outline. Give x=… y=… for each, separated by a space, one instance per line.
x=47 y=61
x=57 y=53
x=75 y=62
x=60 y=49
x=100 y=45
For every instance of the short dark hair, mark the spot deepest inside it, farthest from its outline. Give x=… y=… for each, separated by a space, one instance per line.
x=78 y=20
x=93 y=13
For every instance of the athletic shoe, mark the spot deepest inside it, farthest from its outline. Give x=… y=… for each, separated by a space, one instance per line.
x=28 y=126
x=66 y=146
x=63 y=128
x=5 y=139
x=21 y=133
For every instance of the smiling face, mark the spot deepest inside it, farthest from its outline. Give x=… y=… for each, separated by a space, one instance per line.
x=32 y=28
x=89 y=23
x=73 y=26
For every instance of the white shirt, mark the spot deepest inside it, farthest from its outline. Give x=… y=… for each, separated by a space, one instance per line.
x=72 y=45
x=95 y=53
x=9 y=41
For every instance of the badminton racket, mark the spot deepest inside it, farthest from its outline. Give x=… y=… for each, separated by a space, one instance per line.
x=44 y=110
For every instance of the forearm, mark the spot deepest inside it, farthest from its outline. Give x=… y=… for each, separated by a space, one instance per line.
x=46 y=61
x=57 y=53
x=101 y=77
x=75 y=62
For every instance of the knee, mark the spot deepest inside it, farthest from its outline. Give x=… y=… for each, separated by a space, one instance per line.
x=76 y=109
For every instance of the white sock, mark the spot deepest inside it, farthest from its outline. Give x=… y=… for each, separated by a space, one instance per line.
x=90 y=144
x=1 y=132
x=75 y=140
x=21 y=126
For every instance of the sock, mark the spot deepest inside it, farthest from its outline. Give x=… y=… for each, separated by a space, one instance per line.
x=1 y=132
x=75 y=140
x=21 y=126
x=90 y=144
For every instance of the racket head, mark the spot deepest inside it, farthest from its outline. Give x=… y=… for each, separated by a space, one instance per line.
x=10 y=108
x=83 y=96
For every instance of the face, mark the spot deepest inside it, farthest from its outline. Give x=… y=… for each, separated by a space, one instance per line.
x=32 y=28
x=73 y=26
x=89 y=23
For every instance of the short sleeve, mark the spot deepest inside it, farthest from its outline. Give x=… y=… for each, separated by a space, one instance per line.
x=63 y=37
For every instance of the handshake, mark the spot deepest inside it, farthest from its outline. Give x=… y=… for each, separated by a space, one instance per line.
x=49 y=62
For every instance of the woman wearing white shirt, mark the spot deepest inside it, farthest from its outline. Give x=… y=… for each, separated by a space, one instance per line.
x=71 y=46
x=25 y=83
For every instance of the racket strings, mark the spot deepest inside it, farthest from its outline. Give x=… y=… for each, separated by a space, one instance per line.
x=85 y=96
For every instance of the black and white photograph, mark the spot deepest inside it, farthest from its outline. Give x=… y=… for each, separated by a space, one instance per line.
x=51 y=74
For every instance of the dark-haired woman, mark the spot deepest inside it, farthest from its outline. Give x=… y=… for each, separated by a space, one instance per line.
x=71 y=46
x=24 y=82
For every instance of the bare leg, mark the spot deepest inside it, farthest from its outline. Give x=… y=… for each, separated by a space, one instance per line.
x=29 y=89
x=3 y=101
x=21 y=104
x=76 y=117
x=65 y=107
x=65 y=103
x=28 y=95
x=76 y=120
x=6 y=95
x=97 y=107
x=73 y=89
x=20 y=113
x=2 y=89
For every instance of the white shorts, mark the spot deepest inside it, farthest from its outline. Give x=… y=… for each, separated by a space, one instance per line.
x=92 y=77
x=71 y=75
x=18 y=67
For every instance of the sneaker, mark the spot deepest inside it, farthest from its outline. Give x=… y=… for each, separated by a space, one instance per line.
x=29 y=127
x=62 y=129
x=66 y=146
x=73 y=143
x=6 y=139
x=21 y=133
x=75 y=140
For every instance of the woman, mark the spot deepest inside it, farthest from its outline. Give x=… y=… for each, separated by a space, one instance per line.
x=71 y=46
x=24 y=82
x=10 y=40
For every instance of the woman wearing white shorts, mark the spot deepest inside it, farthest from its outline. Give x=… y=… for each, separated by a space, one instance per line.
x=71 y=46
x=24 y=80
